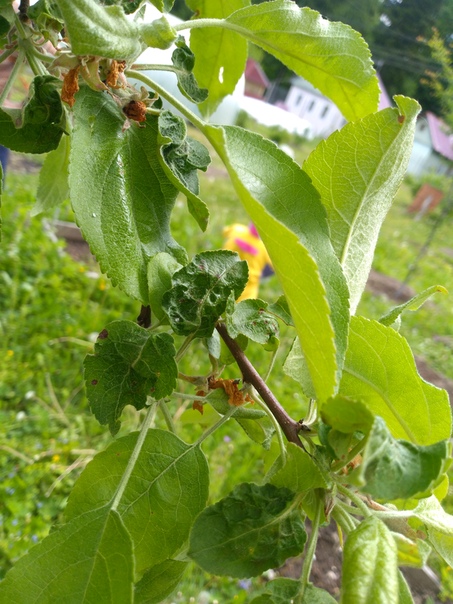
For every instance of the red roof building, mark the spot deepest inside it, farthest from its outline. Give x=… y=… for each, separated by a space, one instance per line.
x=256 y=81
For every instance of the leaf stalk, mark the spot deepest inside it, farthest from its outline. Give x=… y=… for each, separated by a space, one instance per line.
x=134 y=456
x=309 y=553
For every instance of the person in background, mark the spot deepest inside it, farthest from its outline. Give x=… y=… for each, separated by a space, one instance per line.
x=247 y=243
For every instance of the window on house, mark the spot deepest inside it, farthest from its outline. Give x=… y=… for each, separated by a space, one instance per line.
x=299 y=99
x=310 y=106
x=325 y=111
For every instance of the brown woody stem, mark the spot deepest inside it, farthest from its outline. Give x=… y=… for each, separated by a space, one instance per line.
x=290 y=427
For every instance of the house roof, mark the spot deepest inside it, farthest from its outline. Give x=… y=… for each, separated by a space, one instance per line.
x=440 y=136
x=255 y=74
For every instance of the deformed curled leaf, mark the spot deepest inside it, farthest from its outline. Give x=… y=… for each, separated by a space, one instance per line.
x=158 y=34
x=39 y=125
x=370 y=565
x=47 y=18
x=129 y=364
x=181 y=157
x=251 y=530
x=200 y=291
x=184 y=60
x=280 y=309
x=250 y=319
x=397 y=469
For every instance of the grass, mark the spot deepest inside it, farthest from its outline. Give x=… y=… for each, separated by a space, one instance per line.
x=51 y=311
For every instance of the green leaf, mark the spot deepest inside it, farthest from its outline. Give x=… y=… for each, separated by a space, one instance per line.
x=260 y=430
x=251 y=530
x=129 y=6
x=221 y=53
x=358 y=171
x=4 y=29
x=163 y=5
x=218 y=399
x=397 y=469
x=161 y=268
x=102 y=32
x=89 y=556
x=413 y=304
x=159 y=581
x=1 y=195
x=282 y=591
x=281 y=310
x=300 y=473
x=295 y=366
x=315 y=595
x=291 y=220
x=39 y=126
x=47 y=18
x=405 y=596
x=225 y=357
x=201 y=289
x=279 y=591
x=411 y=553
x=439 y=526
x=129 y=363
x=380 y=371
x=7 y=16
x=251 y=319
x=183 y=61
x=121 y=196
x=332 y=56
x=53 y=179
x=181 y=157
x=158 y=34
x=347 y=415
x=167 y=489
x=370 y=571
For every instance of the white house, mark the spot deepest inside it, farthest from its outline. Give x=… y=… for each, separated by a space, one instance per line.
x=305 y=101
x=433 y=147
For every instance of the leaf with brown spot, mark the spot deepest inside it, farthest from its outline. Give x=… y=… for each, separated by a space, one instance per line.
x=129 y=364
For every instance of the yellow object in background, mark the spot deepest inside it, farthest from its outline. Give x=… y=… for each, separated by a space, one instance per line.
x=247 y=243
